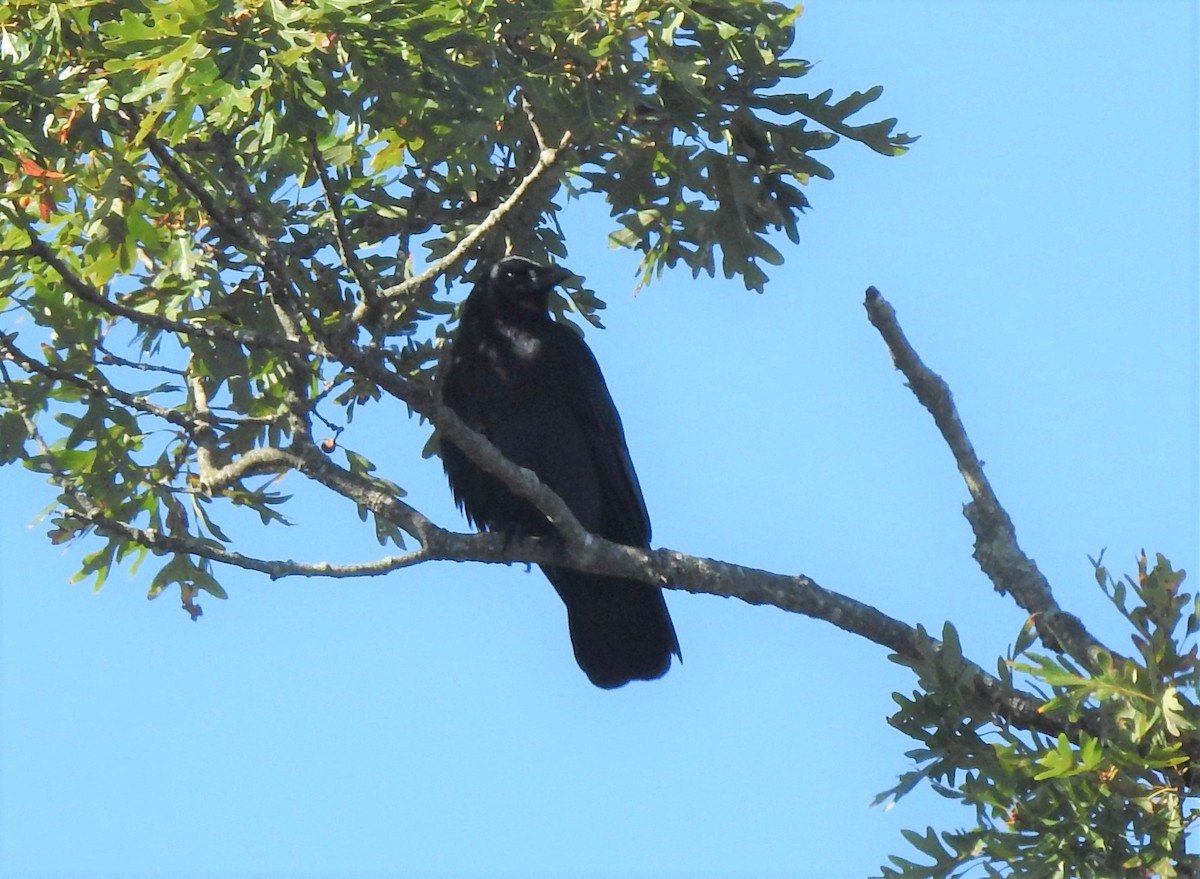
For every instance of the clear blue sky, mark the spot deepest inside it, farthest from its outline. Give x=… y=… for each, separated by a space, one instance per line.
x=1040 y=246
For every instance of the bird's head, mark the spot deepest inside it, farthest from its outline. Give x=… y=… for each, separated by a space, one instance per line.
x=519 y=283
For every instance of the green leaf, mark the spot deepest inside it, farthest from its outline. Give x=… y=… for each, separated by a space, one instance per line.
x=1175 y=715
x=358 y=463
x=928 y=844
x=1025 y=638
x=12 y=437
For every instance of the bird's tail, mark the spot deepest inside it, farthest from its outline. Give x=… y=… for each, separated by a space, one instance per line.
x=620 y=629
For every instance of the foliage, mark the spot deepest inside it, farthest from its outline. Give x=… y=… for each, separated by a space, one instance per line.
x=223 y=219
x=222 y=230
x=1107 y=796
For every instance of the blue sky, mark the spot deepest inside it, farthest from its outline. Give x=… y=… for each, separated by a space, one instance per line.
x=1040 y=245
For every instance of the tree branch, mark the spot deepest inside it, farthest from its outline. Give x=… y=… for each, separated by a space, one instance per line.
x=244 y=229
x=996 y=549
x=214 y=478
x=108 y=357
x=534 y=126
x=579 y=550
x=370 y=291
x=93 y=296
x=546 y=160
x=228 y=225
x=522 y=482
x=665 y=567
x=256 y=462
x=99 y=387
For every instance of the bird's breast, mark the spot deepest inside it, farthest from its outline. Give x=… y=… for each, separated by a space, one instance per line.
x=505 y=375
x=518 y=344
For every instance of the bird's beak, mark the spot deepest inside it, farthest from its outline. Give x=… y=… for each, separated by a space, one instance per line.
x=552 y=276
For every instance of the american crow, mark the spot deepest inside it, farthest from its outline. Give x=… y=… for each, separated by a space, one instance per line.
x=533 y=388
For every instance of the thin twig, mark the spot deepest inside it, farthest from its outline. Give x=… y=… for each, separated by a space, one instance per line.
x=546 y=160
x=538 y=137
x=98 y=387
x=370 y=291
x=116 y=360
x=93 y=296
x=238 y=232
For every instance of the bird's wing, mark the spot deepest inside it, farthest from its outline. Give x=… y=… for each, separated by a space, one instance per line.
x=623 y=518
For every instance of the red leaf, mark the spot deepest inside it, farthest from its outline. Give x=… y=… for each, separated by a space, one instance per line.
x=33 y=169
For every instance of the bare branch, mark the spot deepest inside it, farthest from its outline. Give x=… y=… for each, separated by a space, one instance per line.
x=798 y=594
x=996 y=548
x=664 y=567
x=116 y=360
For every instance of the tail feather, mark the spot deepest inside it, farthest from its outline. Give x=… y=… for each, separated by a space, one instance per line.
x=620 y=629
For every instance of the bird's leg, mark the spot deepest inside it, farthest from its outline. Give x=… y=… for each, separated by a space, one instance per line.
x=511 y=535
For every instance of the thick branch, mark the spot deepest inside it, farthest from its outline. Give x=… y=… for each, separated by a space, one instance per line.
x=996 y=549
x=664 y=567
x=589 y=553
x=256 y=462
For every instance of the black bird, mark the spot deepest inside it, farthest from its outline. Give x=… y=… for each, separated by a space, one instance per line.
x=532 y=387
